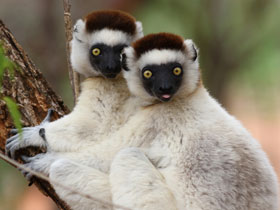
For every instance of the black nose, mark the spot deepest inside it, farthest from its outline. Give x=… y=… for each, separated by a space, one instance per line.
x=165 y=89
x=113 y=69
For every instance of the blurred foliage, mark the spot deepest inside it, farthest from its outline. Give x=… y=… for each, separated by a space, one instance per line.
x=237 y=39
x=14 y=112
x=11 y=186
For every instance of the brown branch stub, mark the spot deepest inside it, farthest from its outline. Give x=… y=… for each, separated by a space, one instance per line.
x=73 y=76
x=34 y=97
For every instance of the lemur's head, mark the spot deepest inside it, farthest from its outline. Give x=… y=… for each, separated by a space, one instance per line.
x=99 y=39
x=158 y=66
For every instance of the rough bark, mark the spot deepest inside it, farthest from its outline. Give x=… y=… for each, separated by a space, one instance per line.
x=28 y=88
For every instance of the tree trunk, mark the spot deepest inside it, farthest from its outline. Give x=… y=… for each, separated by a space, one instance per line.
x=28 y=88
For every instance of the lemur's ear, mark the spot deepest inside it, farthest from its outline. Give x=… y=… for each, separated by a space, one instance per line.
x=139 y=31
x=127 y=58
x=79 y=30
x=192 y=49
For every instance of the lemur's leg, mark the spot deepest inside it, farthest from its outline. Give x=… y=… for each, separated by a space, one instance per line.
x=70 y=179
x=137 y=184
x=30 y=136
x=81 y=179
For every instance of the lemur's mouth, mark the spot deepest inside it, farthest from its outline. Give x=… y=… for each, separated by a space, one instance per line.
x=164 y=97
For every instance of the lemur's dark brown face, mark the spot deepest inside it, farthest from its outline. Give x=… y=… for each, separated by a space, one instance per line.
x=106 y=59
x=162 y=81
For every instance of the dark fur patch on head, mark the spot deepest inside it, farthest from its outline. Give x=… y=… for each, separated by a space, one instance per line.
x=111 y=19
x=158 y=41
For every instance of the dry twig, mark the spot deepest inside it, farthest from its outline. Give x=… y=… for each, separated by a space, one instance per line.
x=73 y=76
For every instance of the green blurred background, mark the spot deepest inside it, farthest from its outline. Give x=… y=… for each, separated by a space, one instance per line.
x=239 y=54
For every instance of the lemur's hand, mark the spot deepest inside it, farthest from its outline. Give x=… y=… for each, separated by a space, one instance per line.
x=30 y=136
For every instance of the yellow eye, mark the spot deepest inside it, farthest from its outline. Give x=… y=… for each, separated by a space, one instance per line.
x=177 y=71
x=147 y=74
x=96 y=51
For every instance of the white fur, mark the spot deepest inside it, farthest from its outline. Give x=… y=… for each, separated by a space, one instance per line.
x=190 y=153
x=158 y=57
x=110 y=37
x=80 y=47
x=189 y=146
x=208 y=160
x=139 y=31
x=87 y=180
x=146 y=186
x=78 y=155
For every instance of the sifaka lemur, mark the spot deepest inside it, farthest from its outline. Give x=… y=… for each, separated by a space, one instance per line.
x=179 y=147
x=98 y=40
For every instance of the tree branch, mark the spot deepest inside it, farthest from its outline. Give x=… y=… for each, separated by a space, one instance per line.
x=28 y=88
x=73 y=76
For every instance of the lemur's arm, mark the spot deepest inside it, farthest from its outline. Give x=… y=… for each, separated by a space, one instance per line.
x=71 y=131
x=55 y=136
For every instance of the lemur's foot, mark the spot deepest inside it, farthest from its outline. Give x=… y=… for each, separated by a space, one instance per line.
x=25 y=172
x=34 y=164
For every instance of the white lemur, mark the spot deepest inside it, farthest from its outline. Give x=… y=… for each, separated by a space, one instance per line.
x=97 y=43
x=208 y=160
x=180 y=143
x=96 y=47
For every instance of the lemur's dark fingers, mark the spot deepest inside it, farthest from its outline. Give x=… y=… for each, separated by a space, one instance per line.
x=12 y=152
x=26 y=159
x=27 y=175
x=13 y=131
x=42 y=132
x=11 y=139
x=7 y=153
x=16 y=131
x=11 y=145
x=49 y=115
x=30 y=182
x=23 y=172
x=75 y=29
